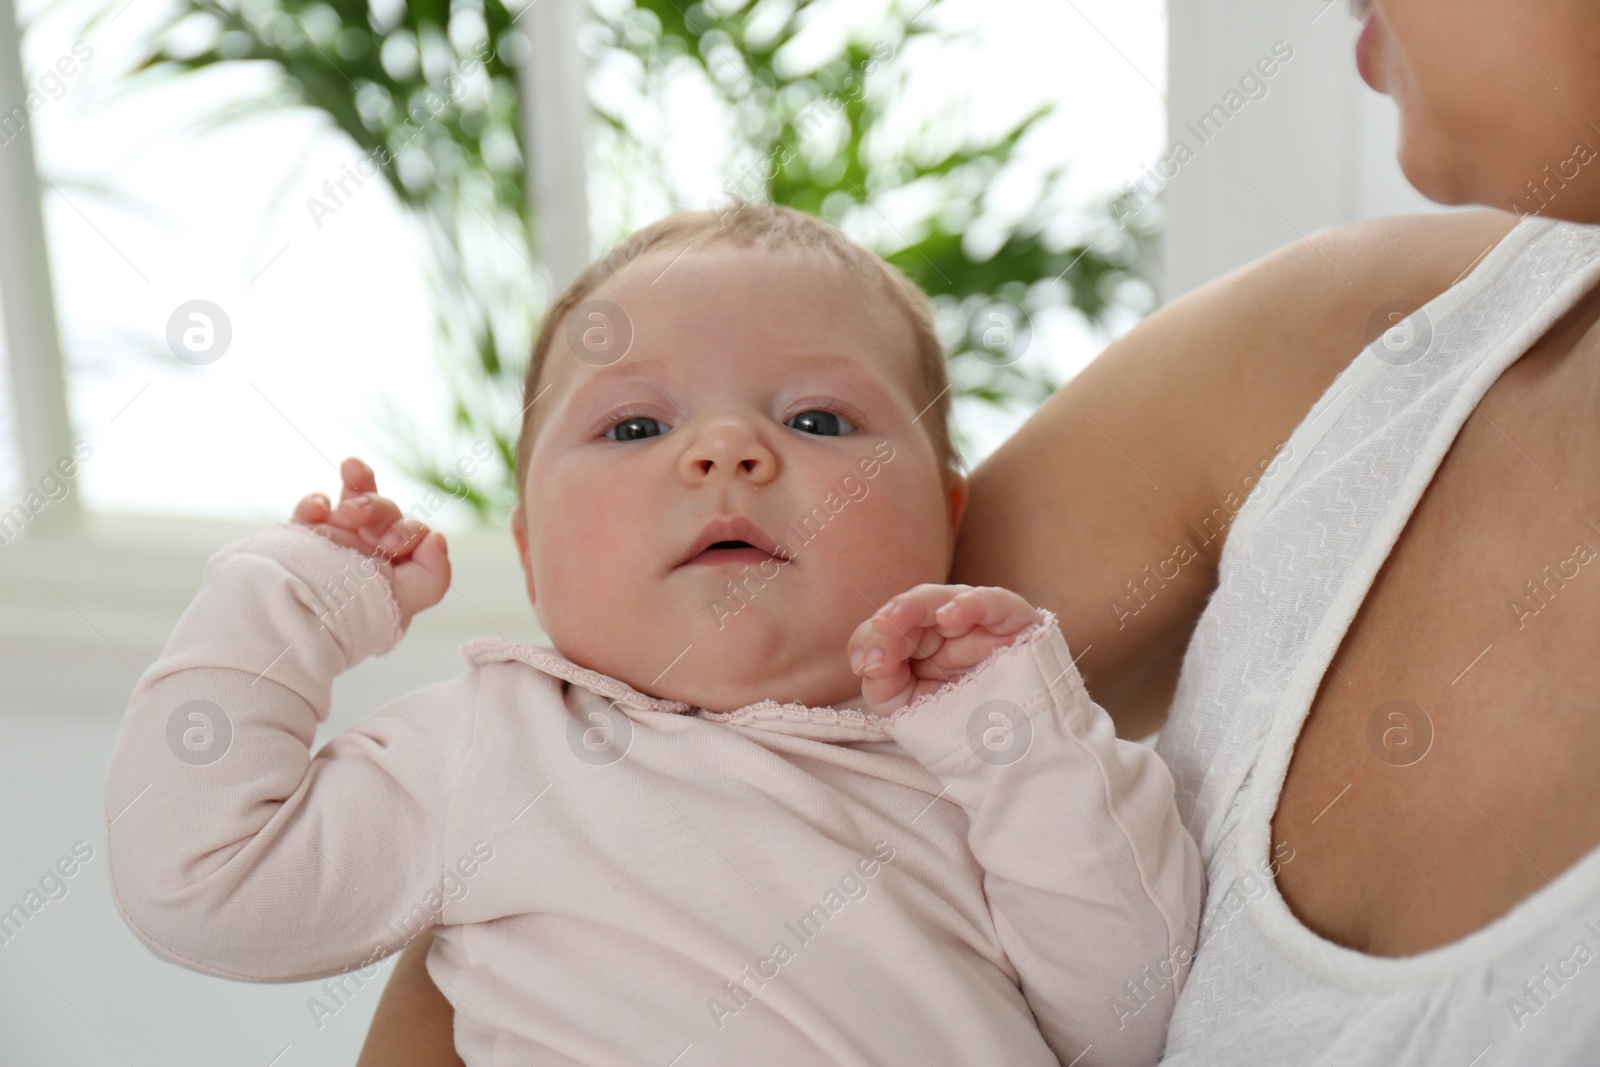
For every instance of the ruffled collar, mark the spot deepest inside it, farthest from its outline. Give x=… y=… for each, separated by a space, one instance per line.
x=847 y=721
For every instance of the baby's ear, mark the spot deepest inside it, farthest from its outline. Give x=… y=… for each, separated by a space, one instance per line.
x=519 y=533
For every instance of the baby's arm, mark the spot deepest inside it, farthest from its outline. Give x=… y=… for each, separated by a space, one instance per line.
x=230 y=849
x=1093 y=883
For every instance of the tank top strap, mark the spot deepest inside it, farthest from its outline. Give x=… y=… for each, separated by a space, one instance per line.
x=1307 y=543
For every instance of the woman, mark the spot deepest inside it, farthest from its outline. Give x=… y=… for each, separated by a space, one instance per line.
x=1384 y=734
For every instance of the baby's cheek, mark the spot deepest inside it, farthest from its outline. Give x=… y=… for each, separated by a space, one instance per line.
x=585 y=568
x=890 y=550
x=589 y=619
x=906 y=520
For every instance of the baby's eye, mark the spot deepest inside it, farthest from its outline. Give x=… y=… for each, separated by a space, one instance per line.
x=822 y=423
x=636 y=428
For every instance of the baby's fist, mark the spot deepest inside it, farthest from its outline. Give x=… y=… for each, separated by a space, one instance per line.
x=415 y=558
x=930 y=635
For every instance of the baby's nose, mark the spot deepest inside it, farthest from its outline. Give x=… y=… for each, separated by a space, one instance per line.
x=728 y=450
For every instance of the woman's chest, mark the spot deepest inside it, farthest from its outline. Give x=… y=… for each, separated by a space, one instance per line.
x=1447 y=767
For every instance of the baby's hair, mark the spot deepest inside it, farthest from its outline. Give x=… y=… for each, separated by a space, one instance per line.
x=744 y=225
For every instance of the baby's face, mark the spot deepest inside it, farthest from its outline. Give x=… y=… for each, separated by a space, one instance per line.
x=766 y=388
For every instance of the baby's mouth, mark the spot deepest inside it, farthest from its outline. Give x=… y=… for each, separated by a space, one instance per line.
x=730 y=553
x=732 y=540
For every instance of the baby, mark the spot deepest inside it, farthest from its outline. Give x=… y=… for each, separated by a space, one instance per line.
x=775 y=795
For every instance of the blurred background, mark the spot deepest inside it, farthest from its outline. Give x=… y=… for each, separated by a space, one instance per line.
x=240 y=241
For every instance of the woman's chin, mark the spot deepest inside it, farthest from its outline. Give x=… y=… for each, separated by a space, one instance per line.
x=1437 y=172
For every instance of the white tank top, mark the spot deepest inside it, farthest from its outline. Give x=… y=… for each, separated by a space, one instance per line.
x=1303 y=552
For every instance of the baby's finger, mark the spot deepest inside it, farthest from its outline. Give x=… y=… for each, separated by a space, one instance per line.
x=399 y=541
x=997 y=611
x=917 y=606
x=367 y=512
x=887 y=693
x=913 y=618
x=339 y=536
x=878 y=645
x=312 y=509
x=959 y=614
x=964 y=652
x=423 y=580
x=904 y=631
x=868 y=647
x=383 y=523
x=358 y=479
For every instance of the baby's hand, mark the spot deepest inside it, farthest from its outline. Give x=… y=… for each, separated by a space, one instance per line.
x=926 y=637
x=372 y=524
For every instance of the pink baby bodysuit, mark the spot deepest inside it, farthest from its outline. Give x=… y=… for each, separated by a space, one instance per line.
x=986 y=877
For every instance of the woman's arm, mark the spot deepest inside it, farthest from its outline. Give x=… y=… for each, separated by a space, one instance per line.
x=1110 y=506
x=414 y=1025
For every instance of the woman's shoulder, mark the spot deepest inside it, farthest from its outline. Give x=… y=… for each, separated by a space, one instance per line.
x=1089 y=508
x=1268 y=339
x=1344 y=272
x=1323 y=292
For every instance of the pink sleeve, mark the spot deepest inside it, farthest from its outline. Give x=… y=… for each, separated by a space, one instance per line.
x=1093 y=883
x=230 y=849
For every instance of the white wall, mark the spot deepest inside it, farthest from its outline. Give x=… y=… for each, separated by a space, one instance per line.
x=1315 y=150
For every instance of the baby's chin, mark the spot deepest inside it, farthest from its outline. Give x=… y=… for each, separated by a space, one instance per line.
x=730 y=694
x=721 y=676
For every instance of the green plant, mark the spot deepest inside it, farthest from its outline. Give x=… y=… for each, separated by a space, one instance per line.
x=817 y=136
